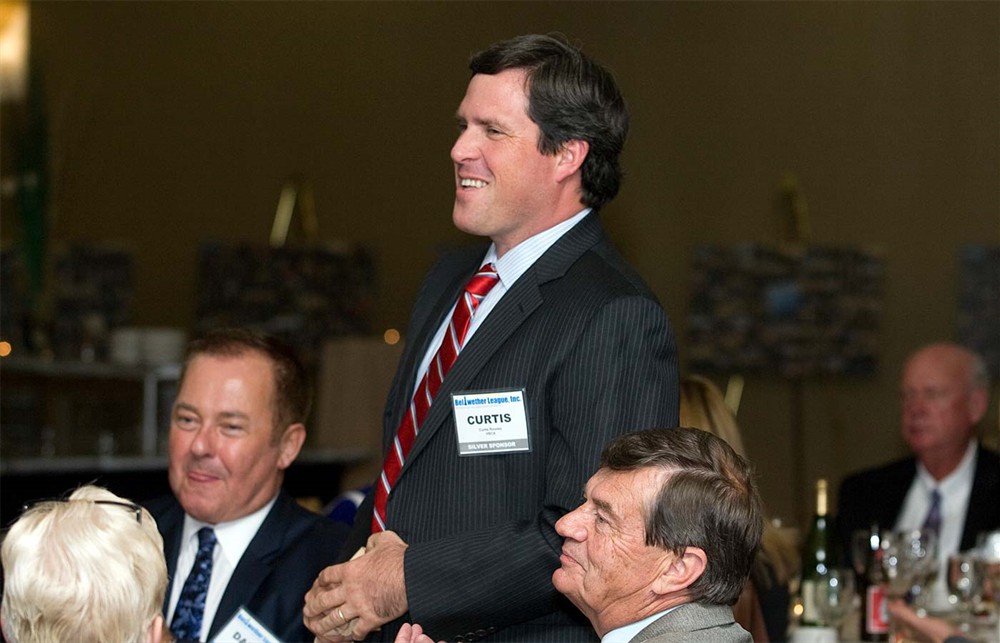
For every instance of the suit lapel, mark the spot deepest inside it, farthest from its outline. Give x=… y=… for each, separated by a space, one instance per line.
x=256 y=563
x=515 y=307
x=171 y=527
x=986 y=479
x=890 y=502
x=426 y=325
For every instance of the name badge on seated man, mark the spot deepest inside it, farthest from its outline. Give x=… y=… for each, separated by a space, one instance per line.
x=244 y=628
x=491 y=422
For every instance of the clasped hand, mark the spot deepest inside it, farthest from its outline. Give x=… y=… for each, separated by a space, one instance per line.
x=350 y=600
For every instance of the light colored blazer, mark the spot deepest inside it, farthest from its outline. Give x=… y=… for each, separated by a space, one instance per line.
x=695 y=623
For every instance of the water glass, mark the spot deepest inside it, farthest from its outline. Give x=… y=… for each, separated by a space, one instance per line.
x=964 y=586
x=835 y=596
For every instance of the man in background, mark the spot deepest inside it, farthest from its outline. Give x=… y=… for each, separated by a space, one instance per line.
x=88 y=569
x=523 y=359
x=951 y=483
x=236 y=545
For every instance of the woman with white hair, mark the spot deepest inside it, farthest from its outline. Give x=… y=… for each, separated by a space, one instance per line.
x=88 y=568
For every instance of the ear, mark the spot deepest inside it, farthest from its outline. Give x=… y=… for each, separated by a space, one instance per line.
x=291 y=444
x=156 y=631
x=570 y=157
x=680 y=572
x=979 y=401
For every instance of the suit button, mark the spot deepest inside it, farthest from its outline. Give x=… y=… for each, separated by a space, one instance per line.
x=459 y=639
x=481 y=633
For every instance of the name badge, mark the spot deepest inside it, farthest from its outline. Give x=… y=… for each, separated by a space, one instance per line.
x=491 y=422
x=244 y=628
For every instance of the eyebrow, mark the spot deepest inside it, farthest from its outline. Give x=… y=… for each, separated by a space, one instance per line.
x=485 y=122
x=602 y=506
x=227 y=415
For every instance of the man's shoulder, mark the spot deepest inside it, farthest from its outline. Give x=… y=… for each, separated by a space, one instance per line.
x=587 y=254
x=306 y=531
x=163 y=507
x=695 y=622
x=989 y=455
x=904 y=467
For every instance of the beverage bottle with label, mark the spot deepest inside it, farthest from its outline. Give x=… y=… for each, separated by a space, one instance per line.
x=817 y=559
x=874 y=615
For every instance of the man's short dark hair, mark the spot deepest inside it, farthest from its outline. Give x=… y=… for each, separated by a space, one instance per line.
x=292 y=394
x=709 y=500
x=570 y=97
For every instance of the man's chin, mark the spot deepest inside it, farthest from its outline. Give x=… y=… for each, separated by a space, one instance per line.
x=561 y=580
x=195 y=506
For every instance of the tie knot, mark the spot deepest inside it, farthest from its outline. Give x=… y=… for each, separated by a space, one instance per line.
x=206 y=538
x=483 y=281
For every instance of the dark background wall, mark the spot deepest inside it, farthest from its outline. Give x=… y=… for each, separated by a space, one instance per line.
x=177 y=122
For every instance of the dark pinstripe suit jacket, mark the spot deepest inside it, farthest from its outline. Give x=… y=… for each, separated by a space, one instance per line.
x=593 y=350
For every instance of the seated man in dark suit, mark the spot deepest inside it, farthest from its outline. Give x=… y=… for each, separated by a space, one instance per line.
x=944 y=394
x=240 y=552
x=663 y=543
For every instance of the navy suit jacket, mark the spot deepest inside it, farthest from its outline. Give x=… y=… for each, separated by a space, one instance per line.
x=877 y=496
x=279 y=566
x=591 y=348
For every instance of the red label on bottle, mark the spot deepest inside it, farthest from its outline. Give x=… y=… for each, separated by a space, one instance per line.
x=876 y=610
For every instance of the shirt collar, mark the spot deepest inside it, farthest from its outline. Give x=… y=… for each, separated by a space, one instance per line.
x=518 y=259
x=233 y=536
x=625 y=633
x=961 y=476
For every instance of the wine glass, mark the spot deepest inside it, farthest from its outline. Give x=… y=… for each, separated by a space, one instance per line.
x=988 y=563
x=835 y=596
x=963 y=586
x=908 y=560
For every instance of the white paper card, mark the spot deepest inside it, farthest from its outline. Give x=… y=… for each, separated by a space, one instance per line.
x=244 y=628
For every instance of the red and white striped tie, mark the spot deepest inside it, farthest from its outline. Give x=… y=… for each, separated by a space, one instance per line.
x=454 y=338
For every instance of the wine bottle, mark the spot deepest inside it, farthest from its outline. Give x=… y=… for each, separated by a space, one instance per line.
x=817 y=558
x=874 y=616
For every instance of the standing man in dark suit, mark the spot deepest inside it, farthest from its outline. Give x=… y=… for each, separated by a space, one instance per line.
x=944 y=394
x=240 y=552
x=562 y=348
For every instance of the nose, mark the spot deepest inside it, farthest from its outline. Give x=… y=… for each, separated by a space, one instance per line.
x=914 y=403
x=203 y=442
x=463 y=149
x=570 y=526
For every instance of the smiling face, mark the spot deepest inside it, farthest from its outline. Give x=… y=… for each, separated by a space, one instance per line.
x=606 y=568
x=224 y=461
x=505 y=188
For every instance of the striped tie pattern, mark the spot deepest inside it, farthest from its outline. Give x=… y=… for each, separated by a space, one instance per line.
x=454 y=338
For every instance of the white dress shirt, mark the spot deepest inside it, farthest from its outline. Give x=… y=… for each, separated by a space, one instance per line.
x=232 y=540
x=955 y=490
x=510 y=267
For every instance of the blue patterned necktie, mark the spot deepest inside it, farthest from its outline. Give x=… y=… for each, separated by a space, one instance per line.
x=186 y=625
x=933 y=519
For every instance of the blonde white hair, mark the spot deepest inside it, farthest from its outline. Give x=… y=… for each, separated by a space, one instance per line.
x=84 y=569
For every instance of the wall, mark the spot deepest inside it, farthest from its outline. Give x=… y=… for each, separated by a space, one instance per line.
x=172 y=123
